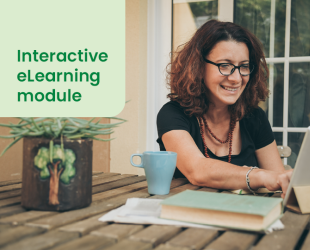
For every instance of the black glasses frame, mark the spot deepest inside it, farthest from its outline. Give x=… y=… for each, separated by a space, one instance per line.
x=233 y=70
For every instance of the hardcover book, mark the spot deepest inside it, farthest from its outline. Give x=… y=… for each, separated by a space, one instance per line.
x=252 y=213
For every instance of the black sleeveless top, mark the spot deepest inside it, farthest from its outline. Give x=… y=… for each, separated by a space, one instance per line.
x=255 y=131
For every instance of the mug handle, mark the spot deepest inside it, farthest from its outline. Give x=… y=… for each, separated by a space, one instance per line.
x=139 y=166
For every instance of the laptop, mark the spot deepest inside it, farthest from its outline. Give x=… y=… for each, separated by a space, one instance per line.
x=301 y=173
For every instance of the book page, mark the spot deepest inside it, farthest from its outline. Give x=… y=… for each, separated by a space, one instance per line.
x=259 y=191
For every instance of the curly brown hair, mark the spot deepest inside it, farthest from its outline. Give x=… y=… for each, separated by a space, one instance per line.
x=185 y=76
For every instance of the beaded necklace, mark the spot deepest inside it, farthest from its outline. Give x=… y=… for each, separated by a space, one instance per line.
x=202 y=121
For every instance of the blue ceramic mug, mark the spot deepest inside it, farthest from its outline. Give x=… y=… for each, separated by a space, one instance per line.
x=159 y=167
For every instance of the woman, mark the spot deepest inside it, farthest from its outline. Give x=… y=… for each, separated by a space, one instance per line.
x=213 y=121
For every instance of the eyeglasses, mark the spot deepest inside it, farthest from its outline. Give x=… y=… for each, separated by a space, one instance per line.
x=227 y=69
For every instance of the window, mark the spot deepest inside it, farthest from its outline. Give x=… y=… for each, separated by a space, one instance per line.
x=283 y=28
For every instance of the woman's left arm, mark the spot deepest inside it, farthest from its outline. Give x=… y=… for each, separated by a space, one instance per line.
x=268 y=158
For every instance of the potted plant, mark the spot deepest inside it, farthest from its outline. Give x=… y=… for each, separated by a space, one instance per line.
x=57 y=160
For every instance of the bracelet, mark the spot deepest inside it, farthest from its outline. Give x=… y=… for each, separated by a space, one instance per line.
x=247 y=179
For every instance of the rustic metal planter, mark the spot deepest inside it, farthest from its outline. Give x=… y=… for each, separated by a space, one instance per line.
x=60 y=184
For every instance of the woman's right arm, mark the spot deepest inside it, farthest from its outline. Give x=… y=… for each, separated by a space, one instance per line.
x=202 y=171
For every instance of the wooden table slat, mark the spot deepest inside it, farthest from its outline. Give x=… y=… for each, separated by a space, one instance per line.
x=176 y=191
x=118 y=191
x=6 y=183
x=168 y=247
x=156 y=234
x=89 y=242
x=118 y=184
x=44 y=241
x=98 y=174
x=231 y=240
x=10 y=194
x=10 y=201
x=75 y=215
x=193 y=238
x=17 y=233
x=117 y=231
x=137 y=194
x=104 y=175
x=177 y=182
x=85 y=226
x=285 y=239
x=5 y=227
x=132 y=188
x=22 y=218
x=104 y=180
x=10 y=187
x=7 y=211
x=130 y=245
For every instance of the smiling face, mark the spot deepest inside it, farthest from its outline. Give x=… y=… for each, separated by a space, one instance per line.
x=225 y=90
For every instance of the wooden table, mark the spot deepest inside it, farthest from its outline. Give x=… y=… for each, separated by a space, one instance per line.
x=80 y=229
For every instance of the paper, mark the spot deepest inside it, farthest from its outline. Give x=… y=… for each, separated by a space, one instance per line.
x=141 y=207
x=246 y=191
x=147 y=211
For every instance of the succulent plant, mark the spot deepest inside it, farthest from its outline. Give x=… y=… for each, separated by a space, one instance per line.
x=59 y=127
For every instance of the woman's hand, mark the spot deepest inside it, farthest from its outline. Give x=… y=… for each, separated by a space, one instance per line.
x=274 y=181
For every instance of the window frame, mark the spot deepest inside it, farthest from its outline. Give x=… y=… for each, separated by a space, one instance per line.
x=286 y=60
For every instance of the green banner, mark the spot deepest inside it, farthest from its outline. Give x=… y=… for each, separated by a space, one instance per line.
x=62 y=58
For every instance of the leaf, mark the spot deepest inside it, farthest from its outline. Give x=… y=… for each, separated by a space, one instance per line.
x=10 y=136
x=11 y=125
x=105 y=132
x=10 y=145
x=75 y=136
x=36 y=126
x=71 y=132
x=35 y=133
x=98 y=121
x=99 y=139
x=72 y=121
x=91 y=120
